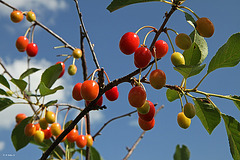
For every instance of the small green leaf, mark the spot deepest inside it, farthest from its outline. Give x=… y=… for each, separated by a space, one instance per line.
x=207 y=113
x=188 y=71
x=237 y=103
x=117 y=4
x=228 y=55
x=50 y=103
x=46 y=91
x=190 y=19
x=5 y=102
x=181 y=153
x=51 y=74
x=4 y=81
x=233 y=132
x=192 y=55
x=2 y=92
x=94 y=154
x=172 y=95
x=21 y=84
x=19 y=139
x=28 y=72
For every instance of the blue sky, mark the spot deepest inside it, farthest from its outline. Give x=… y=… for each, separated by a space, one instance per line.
x=105 y=30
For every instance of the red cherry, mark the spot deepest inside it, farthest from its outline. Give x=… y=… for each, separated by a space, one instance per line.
x=89 y=90
x=161 y=49
x=112 y=94
x=32 y=49
x=20 y=117
x=129 y=43
x=99 y=102
x=76 y=92
x=47 y=133
x=149 y=116
x=21 y=43
x=142 y=57
x=16 y=16
x=29 y=129
x=81 y=141
x=146 y=125
x=56 y=129
x=72 y=135
x=157 y=79
x=63 y=69
x=137 y=96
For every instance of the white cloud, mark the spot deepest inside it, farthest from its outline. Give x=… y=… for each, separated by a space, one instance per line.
x=2 y=145
x=16 y=68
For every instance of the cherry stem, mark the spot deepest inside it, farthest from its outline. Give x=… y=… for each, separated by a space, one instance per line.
x=149 y=71
x=166 y=31
x=170 y=29
x=189 y=10
x=82 y=126
x=107 y=77
x=65 y=117
x=92 y=75
x=33 y=33
x=181 y=101
x=154 y=29
x=146 y=37
x=155 y=57
x=25 y=35
x=74 y=59
x=56 y=113
x=139 y=80
x=59 y=47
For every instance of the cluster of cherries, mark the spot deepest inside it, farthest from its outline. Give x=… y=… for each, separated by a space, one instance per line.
x=41 y=130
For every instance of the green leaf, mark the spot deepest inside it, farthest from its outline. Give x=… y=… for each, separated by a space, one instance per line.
x=228 y=55
x=207 y=113
x=233 y=132
x=2 y=92
x=4 y=81
x=192 y=55
x=28 y=72
x=50 y=75
x=237 y=103
x=21 y=84
x=201 y=43
x=117 y=4
x=50 y=103
x=19 y=139
x=5 y=102
x=94 y=154
x=46 y=91
x=181 y=153
x=172 y=95
x=188 y=71
x=190 y=19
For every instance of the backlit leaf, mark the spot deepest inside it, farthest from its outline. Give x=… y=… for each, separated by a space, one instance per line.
x=21 y=84
x=46 y=91
x=188 y=71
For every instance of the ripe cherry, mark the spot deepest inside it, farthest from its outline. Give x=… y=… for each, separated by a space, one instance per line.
x=30 y=129
x=142 y=57
x=89 y=140
x=31 y=16
x=129 y=43
x=72 y=69
x=21 y=43
x=146 y=125
x=137 y=96
x=77 y=53
x=38 y=136
x=19 y=117
x=161 y=49
x=16 y=16
x=99 y=102
x=112 y=94
x=37 y=125
x=50 y=117
x=76 y=92
x=47 y=133
x=63 y=68
x=89 y=90
x=32 y=49
x=177 y=59
x=81 y=141
x=205 y=27
x=157 y=79
x=56 y=129
x=183 y=121
x=149 y=116
x=72 y=135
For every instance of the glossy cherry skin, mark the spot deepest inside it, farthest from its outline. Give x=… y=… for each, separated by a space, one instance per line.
x=157 y=79
x=99 y=102
x=31 y=16
x=112 y=94
x=142 y=57
x=148 y=116
x=16 y=16
x=76 y=92
x=89 y=140
x=81 y=141
x=21 y=43
x=72 y=69
x=56 y=129
x=145 y=108
x=146 y=125
x=137 y=96
x=63 y=69
x=77 y=53
x=38 y=136
x=43 y=123
x=19 y=117
x=161 y=48
x=129 y=42
x=183 y=121
x=50 y=117
x=72 y=135
x=89 y=90
x=205 y=27
x=30 y=129
x=32 y=49
x=47 y=133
